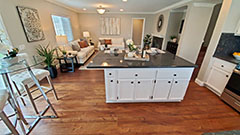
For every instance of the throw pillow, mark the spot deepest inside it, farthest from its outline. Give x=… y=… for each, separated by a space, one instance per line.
x=84 y=40
x=76 y=47
x=108 y=41
x=82 y=44
x=102 y=42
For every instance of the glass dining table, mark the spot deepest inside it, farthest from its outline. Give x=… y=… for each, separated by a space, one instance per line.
x=6 y=70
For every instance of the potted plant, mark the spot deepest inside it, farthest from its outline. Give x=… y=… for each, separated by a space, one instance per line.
x=131 y=47
x=147 y=41
x=173 y=39
x=48 y=53
x=64 y=52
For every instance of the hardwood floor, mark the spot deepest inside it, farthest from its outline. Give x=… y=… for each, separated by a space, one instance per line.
x=82 y=110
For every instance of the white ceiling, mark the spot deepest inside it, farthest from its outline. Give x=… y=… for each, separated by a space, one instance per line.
x=131 y=6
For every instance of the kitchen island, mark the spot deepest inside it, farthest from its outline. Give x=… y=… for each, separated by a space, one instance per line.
x=164 y=78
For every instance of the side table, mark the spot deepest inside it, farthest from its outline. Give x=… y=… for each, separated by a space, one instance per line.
x=65 y=66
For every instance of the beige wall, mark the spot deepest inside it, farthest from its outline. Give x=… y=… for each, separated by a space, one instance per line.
x=221 y=25
x=91 y=22
x=14 y=28
x=194 y=30
x=137 y=31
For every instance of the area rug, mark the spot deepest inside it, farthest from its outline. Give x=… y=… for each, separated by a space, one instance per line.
x=233 y=132
x=84 y=67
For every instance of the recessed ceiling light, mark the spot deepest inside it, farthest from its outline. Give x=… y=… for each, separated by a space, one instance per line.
x=84 y=9
x=124 y=0
x=121 y=10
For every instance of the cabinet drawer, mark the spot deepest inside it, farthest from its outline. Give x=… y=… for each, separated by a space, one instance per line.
x=110 y=73
x=223 y=65
x=141 y=74
x=178 y=73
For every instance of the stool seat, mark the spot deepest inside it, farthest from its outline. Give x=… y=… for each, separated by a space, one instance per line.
x=3 y=98
x=26 y=79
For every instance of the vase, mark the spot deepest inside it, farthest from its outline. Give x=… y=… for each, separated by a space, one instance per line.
x=52 y=70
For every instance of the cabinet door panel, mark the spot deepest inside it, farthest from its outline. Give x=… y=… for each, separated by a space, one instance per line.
x=144 y=89
x=111 y=89
x=162 y=88
x=218 y=79
x=125 y=89
x=178 y=89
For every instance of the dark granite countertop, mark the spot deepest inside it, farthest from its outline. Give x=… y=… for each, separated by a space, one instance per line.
x=166 y=60
x=228 y=58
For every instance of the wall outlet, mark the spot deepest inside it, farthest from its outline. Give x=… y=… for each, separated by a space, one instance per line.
x=22 y=47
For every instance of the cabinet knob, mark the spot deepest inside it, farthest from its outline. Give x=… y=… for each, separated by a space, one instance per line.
x=176 y=81
x=222 y=65
x=227 y=76
x=111 y=80
x=136 y=74
x=131 y=82
x=169 y=81
x=174 y=74
x=139 y=82
x=110 y=73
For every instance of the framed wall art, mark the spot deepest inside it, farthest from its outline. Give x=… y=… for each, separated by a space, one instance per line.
x=31 y=23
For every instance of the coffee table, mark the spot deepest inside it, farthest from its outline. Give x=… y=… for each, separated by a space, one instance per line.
x=65 y=66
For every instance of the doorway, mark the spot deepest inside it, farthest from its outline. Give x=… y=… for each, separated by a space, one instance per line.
x=138 y=25
x=207 y=38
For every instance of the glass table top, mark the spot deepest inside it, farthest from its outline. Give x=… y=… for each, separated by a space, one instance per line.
x=15 y=65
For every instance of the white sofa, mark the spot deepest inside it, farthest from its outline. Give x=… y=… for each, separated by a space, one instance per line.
x=83 y=55
x=116 y=43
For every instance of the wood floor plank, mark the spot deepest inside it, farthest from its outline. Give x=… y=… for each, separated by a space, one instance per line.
x=83 y=111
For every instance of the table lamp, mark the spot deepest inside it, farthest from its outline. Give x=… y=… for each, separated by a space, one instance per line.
x=86 y=34
x=61 y=41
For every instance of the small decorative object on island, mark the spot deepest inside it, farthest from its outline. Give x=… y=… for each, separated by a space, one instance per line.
x=173 y=39
x=132 y=47
x=11 y=56
x=48 y=53
x=236 y=55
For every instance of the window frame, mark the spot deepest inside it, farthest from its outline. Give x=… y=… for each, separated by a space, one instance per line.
x=5 y=31
x=70 y=23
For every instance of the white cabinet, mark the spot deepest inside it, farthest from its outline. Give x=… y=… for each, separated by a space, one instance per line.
x=237 y=31
x=162 y=89
x=178 y=89
x=125 y=88
x=219 y=75
x=217 y=80
x=144 y=89
x=146 y=85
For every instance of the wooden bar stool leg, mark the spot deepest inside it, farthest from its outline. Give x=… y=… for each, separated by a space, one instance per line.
x=52 y=87
x=8 y=123
x=31 y=99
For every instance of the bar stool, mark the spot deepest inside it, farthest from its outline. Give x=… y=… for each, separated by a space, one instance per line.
x=4 y=97
x=24 y=80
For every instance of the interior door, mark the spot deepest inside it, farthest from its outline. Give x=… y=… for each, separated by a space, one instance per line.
x=144 y=89
x=137 y=30
x=126 y=89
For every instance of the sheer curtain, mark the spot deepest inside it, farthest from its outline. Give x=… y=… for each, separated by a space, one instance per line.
x=62 y=26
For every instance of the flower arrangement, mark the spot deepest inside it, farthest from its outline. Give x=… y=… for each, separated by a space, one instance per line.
x=131 y=45
x=8 y=51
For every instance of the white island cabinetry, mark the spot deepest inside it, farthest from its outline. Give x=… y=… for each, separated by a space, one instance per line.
x=146 y=84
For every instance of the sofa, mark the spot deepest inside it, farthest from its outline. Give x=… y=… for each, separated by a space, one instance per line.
x=116 y=43
x=82 y=55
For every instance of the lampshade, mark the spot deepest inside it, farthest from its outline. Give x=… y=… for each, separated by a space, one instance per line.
x=86 y=34
x=61 y=40
x=101 y=10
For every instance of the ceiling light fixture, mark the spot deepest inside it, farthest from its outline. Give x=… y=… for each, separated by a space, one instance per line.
x=121 y=10
x=84 y=9
x=101 y=10
x=124 y=0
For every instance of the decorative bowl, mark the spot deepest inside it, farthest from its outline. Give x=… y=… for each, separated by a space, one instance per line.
x=237 y=57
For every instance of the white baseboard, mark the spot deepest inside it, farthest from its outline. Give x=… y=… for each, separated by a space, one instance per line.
x=200 y=83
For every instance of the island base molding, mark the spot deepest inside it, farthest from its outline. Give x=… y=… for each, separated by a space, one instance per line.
x=131 y=85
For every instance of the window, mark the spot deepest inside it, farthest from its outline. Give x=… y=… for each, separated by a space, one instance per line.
x=4 y=38
x=62 y=26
